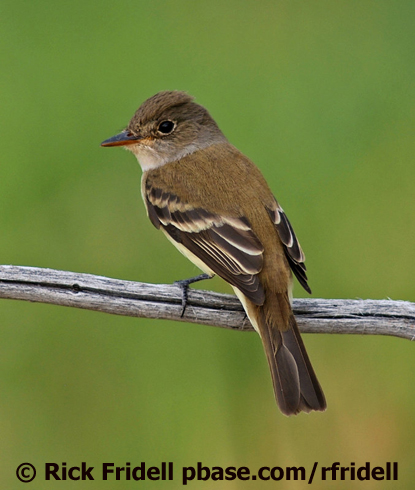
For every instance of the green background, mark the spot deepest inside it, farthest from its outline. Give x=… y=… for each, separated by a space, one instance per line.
x=320 y=95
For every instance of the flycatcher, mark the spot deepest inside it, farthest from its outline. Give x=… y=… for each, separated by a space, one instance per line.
x=215 y=206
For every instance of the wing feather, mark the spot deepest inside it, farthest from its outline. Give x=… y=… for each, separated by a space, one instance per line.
x=227 y=245
x=292 y=248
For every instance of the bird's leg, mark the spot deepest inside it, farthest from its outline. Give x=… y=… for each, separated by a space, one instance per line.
x=184 y=284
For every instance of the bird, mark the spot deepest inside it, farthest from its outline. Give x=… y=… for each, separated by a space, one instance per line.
x=214 y=205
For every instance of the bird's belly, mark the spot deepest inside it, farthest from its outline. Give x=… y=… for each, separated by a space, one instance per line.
x=247 y=307
x=191 y=256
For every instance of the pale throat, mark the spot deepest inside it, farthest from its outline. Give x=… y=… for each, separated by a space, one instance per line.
x=149 y=158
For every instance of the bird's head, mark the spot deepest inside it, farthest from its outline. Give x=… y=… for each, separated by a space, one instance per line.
x=167 y=127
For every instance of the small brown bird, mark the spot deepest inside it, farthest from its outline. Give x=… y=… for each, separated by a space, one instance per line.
x=215 y=206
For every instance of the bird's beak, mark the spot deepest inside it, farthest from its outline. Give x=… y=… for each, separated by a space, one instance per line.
x=123 y=139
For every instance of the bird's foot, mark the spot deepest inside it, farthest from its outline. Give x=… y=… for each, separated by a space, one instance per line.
x=184 y=285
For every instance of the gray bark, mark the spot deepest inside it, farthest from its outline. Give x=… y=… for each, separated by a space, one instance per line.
x=352 y=316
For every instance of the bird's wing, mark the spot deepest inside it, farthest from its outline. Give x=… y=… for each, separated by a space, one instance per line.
x=292 y=248
x=227 y=245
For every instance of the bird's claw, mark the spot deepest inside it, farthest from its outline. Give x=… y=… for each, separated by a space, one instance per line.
x=184 y=285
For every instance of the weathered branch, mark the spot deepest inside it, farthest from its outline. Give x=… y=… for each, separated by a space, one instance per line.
x=378 y=317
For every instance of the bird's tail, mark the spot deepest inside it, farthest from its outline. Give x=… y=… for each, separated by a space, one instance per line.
x=295 y=383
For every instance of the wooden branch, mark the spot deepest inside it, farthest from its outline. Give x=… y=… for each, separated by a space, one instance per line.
x=377 y=317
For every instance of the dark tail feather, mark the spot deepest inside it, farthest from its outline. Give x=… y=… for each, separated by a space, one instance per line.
x=295 y=383
x=312 y=396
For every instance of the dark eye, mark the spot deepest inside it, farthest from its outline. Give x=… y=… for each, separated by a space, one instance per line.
x=166 y=127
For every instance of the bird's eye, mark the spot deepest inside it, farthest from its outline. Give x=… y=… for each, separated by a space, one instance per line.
x=166 y=127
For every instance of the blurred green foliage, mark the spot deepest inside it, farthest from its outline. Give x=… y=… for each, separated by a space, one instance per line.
x=321 y=96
